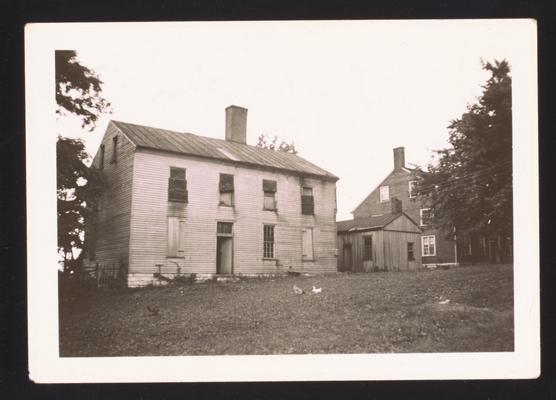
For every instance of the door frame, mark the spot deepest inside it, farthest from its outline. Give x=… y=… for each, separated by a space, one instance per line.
x=225 y=235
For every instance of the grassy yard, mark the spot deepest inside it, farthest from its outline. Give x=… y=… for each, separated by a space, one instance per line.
x=355 y=313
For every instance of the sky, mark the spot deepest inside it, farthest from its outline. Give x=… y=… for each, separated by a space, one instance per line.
x=346 y=92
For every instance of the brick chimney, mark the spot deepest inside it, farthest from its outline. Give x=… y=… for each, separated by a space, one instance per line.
x=236 y=124
x=399 y=158
x=396 y=205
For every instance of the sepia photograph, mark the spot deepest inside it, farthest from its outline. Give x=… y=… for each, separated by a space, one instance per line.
x=282 y=200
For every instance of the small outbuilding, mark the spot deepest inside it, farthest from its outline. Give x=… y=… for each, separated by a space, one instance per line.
x=388 y=242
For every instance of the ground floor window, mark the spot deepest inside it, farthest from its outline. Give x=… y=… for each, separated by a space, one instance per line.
x=307 y=244
x=428 y=245
x=410 y=251
x=367 y=248
x=268 y=241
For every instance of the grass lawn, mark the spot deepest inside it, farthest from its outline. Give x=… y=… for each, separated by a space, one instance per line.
x=355 y=313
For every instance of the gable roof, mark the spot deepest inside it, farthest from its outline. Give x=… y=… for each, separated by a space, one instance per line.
x=367 y=223
x=218 y=149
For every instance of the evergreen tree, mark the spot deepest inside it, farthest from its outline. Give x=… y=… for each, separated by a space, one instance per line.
x=470 y=187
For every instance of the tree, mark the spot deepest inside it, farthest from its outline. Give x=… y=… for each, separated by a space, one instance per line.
x=78 y=92
x=470 y=186
x=265 y=143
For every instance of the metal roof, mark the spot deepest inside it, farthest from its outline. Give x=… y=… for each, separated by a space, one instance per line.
x=366 y=223
x=219 y=149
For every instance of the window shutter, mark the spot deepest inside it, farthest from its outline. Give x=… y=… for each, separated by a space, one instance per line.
x=177 y=190
x=226 y=183
x=307 y=205
x=307 y=244
x=269 y=186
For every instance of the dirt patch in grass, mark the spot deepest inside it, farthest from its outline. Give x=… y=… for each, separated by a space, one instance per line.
x=458 y=310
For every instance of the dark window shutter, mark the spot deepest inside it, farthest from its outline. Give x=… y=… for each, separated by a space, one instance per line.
x=226 y=183
x=307 y=205
x=269 y=186
x=177 y=190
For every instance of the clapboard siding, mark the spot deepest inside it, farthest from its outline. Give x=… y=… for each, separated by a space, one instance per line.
x=151 y=209
x=112 y=220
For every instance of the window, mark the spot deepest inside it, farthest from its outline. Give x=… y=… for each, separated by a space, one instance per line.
x=412 y=191
x=268 y=241
x=114 y=149
x=367 y=247
x=307 y=201
x=384 y=193
x=177 y=185
x=410 y=251
x=224 y=228
x=176 y=235
x=101 y=161
x=226 y=188
x=428 y=244
x=269 y=189
x=426 y=216
x=307 y=244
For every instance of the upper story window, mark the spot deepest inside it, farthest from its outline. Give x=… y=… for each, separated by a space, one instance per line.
x=425 y=216
x=412 y=189
x=101 y=160
x=367 y=247
x=384 y=193
x=114 y=149
x=307 y=201
x=177 y=185
x=269 y=189
x=226 y=187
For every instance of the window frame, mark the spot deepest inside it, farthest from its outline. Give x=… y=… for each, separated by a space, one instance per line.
x=411 y=189
x=267 y=193
x=269 y=241
x=421 y=219
x=384 y=189
x=225 y=193
x=427 y=253
x=114 y=150
x=411 y=251
x=307 y=201
x=172 y=192
x=367 y=248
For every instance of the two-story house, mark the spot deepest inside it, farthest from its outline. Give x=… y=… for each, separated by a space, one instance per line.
x=436 y=247
x=177 y=203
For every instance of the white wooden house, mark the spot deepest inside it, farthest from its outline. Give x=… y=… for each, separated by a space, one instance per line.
x=178 y=203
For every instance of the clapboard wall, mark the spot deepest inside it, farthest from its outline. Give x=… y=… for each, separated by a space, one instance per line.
x=113 y=215
x=150 y=210
x=389 y=247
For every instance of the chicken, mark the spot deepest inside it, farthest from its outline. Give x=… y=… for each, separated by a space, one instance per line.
x=316 y=289
x=298 y=290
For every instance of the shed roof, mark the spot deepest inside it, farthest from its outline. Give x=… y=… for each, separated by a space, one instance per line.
x=219 y=149
x=367 y=223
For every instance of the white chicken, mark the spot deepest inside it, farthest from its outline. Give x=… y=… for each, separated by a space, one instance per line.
x=298 y=290
x=316 y=289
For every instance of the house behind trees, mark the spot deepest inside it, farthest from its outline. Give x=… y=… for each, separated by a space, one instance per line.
x=436 y=247
x=178 y=203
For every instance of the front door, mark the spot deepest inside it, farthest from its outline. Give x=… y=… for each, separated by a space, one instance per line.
x=224 y=255
x=347 y=258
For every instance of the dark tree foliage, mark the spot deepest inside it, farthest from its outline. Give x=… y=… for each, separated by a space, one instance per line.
x=78 y=91
x=470 y=187
x=266 y=143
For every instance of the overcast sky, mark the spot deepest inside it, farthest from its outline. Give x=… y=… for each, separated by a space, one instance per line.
x=346 y=93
